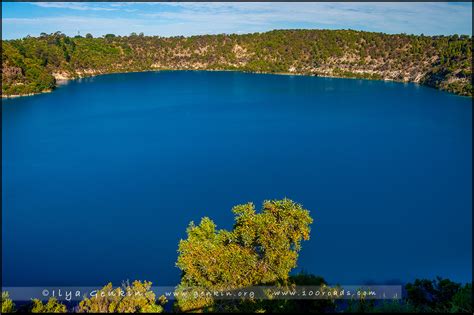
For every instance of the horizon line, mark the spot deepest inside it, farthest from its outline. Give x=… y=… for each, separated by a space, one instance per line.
x=238 y=33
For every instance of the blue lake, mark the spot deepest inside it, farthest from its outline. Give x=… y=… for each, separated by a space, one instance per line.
x=102 y=176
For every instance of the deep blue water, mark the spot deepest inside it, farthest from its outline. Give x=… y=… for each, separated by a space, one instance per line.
x=102 y=176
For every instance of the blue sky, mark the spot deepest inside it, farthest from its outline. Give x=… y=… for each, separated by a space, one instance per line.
x=173 y=18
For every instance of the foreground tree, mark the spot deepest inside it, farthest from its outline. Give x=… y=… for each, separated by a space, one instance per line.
x=261 y=249
x=432 y=295
x=423 y=295
x=7 y=304
x=52 y=306
x=462 y=300
x=135 y=298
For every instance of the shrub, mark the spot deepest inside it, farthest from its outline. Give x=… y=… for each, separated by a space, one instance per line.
x=52 y=306
x=126 y=299
x=7 y=304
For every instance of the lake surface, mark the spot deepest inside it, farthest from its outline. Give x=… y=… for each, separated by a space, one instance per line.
x=102 y=176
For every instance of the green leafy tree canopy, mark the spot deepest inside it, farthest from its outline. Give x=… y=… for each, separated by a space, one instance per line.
x=262 y=248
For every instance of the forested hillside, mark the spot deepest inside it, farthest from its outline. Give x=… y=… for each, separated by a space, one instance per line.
x=33 y=64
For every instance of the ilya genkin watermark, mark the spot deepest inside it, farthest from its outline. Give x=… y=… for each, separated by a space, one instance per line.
x=339 y=292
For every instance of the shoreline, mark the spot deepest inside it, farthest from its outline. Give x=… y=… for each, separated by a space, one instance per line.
x=64 y=80
x=26 y=95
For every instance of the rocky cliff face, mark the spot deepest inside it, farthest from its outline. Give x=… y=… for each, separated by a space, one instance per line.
x=33 y=64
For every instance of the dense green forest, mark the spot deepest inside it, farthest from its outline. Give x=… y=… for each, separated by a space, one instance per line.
x=33 y=64
x=260 y=250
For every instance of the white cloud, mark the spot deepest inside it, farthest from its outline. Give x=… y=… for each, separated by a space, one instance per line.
x=430 y=18
x=72 y=6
